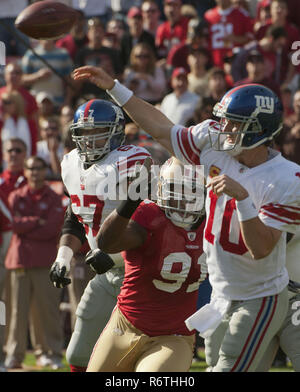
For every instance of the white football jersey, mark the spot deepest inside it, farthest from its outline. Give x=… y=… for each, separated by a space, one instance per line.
x=274 y=188
x=86 y=186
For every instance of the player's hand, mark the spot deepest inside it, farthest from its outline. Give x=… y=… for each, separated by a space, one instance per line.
x=58 y=274
x=99 y=261
x=224 y=184
x=94 y=75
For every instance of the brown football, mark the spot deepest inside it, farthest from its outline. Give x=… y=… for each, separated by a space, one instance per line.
x=46 y=20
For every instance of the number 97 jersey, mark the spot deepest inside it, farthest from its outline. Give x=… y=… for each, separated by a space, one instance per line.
x=160 y=287
x=94 y=191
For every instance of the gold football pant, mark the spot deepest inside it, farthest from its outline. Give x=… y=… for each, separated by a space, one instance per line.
x=123 y=348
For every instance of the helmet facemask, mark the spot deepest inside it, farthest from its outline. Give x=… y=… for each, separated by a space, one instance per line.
x=86 y=145
x=220 y=139
x=182 y=201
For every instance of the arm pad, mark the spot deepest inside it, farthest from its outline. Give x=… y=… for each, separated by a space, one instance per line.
x=99 y=261
x=73 y=226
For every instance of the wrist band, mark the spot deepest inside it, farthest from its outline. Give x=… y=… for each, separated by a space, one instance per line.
x=246 y=209
x=119 y=93
x=127 y=208
x=64 y=256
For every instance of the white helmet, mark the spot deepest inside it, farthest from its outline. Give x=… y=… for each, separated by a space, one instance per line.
x=181 y=193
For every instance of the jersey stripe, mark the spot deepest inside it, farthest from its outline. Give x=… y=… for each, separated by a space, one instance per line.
x=87 y=108
x=283 y=210
x=265 y=330
x=189 y=150
x=183 y=152
x=256 y=335
x=280 y=219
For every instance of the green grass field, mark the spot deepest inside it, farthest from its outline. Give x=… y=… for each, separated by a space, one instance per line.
x=29 y=366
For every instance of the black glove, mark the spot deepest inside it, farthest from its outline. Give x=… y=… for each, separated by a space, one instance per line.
x=99 y=261
x=57 y=276
x=294 y=287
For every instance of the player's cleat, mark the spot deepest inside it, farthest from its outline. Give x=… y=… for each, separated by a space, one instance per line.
x=43 y=361
x=13 y=363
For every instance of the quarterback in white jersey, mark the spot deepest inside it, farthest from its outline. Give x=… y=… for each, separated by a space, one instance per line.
x=254 y=198
x=92 y=174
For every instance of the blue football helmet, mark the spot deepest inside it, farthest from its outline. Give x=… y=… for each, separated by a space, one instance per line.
x=97 y=114
x=258 y=110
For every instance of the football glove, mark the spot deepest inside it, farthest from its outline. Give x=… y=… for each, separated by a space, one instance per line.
x=99 y=261
x=58 y=274
x=294 y=287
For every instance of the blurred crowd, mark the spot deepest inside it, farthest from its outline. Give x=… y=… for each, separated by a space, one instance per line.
x=181 y=56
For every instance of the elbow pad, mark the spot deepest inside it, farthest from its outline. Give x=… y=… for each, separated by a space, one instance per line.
x=73 y=226
x=99 y=261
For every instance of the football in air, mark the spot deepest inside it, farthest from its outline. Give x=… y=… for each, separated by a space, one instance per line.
x=46 y=20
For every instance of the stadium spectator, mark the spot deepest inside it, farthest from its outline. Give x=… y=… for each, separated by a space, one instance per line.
x=13 y=81
x=96 y=54
x=8 y=33
x=14 y=154
x=151 y=16
x=50 y=148
x=77 y=38
x=173 y=30
x=93 y=9
x=37 y=218
x=132 y=133
x=217 y=85
x=287 y=101
x=143 y=76
x=116 y=26
x=5 y=236
x=279 y=18
x=198 y=61
x=277 y=55
x=121 y=7
x=256 y=72
x=203 y=111
x=196 y=37
x=288 y=141
x=38 y=77
x=46 y=106
x=180 y=104
x=14 y=123
x=136 y=34
x=229 y=27
x=263 y=14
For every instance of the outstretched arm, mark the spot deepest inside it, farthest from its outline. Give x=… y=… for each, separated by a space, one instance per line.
x=149 y=118
x=118 y=233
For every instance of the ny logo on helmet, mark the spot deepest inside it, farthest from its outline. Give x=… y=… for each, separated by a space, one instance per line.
x=264 y=104
x=89 y=119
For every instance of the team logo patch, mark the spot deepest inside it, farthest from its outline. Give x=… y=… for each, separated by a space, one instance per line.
x=82 y=183
x=191 y=236
x=214 y=171
x=264 y=104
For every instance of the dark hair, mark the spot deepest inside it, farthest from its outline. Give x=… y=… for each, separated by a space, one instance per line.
x=276 y=32
x=216 y=71
x=36 y=158
x=16 y=140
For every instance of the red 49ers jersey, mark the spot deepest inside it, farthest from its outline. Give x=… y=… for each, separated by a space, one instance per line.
x=162 y=277
x=86 y=186
x=222 y=23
